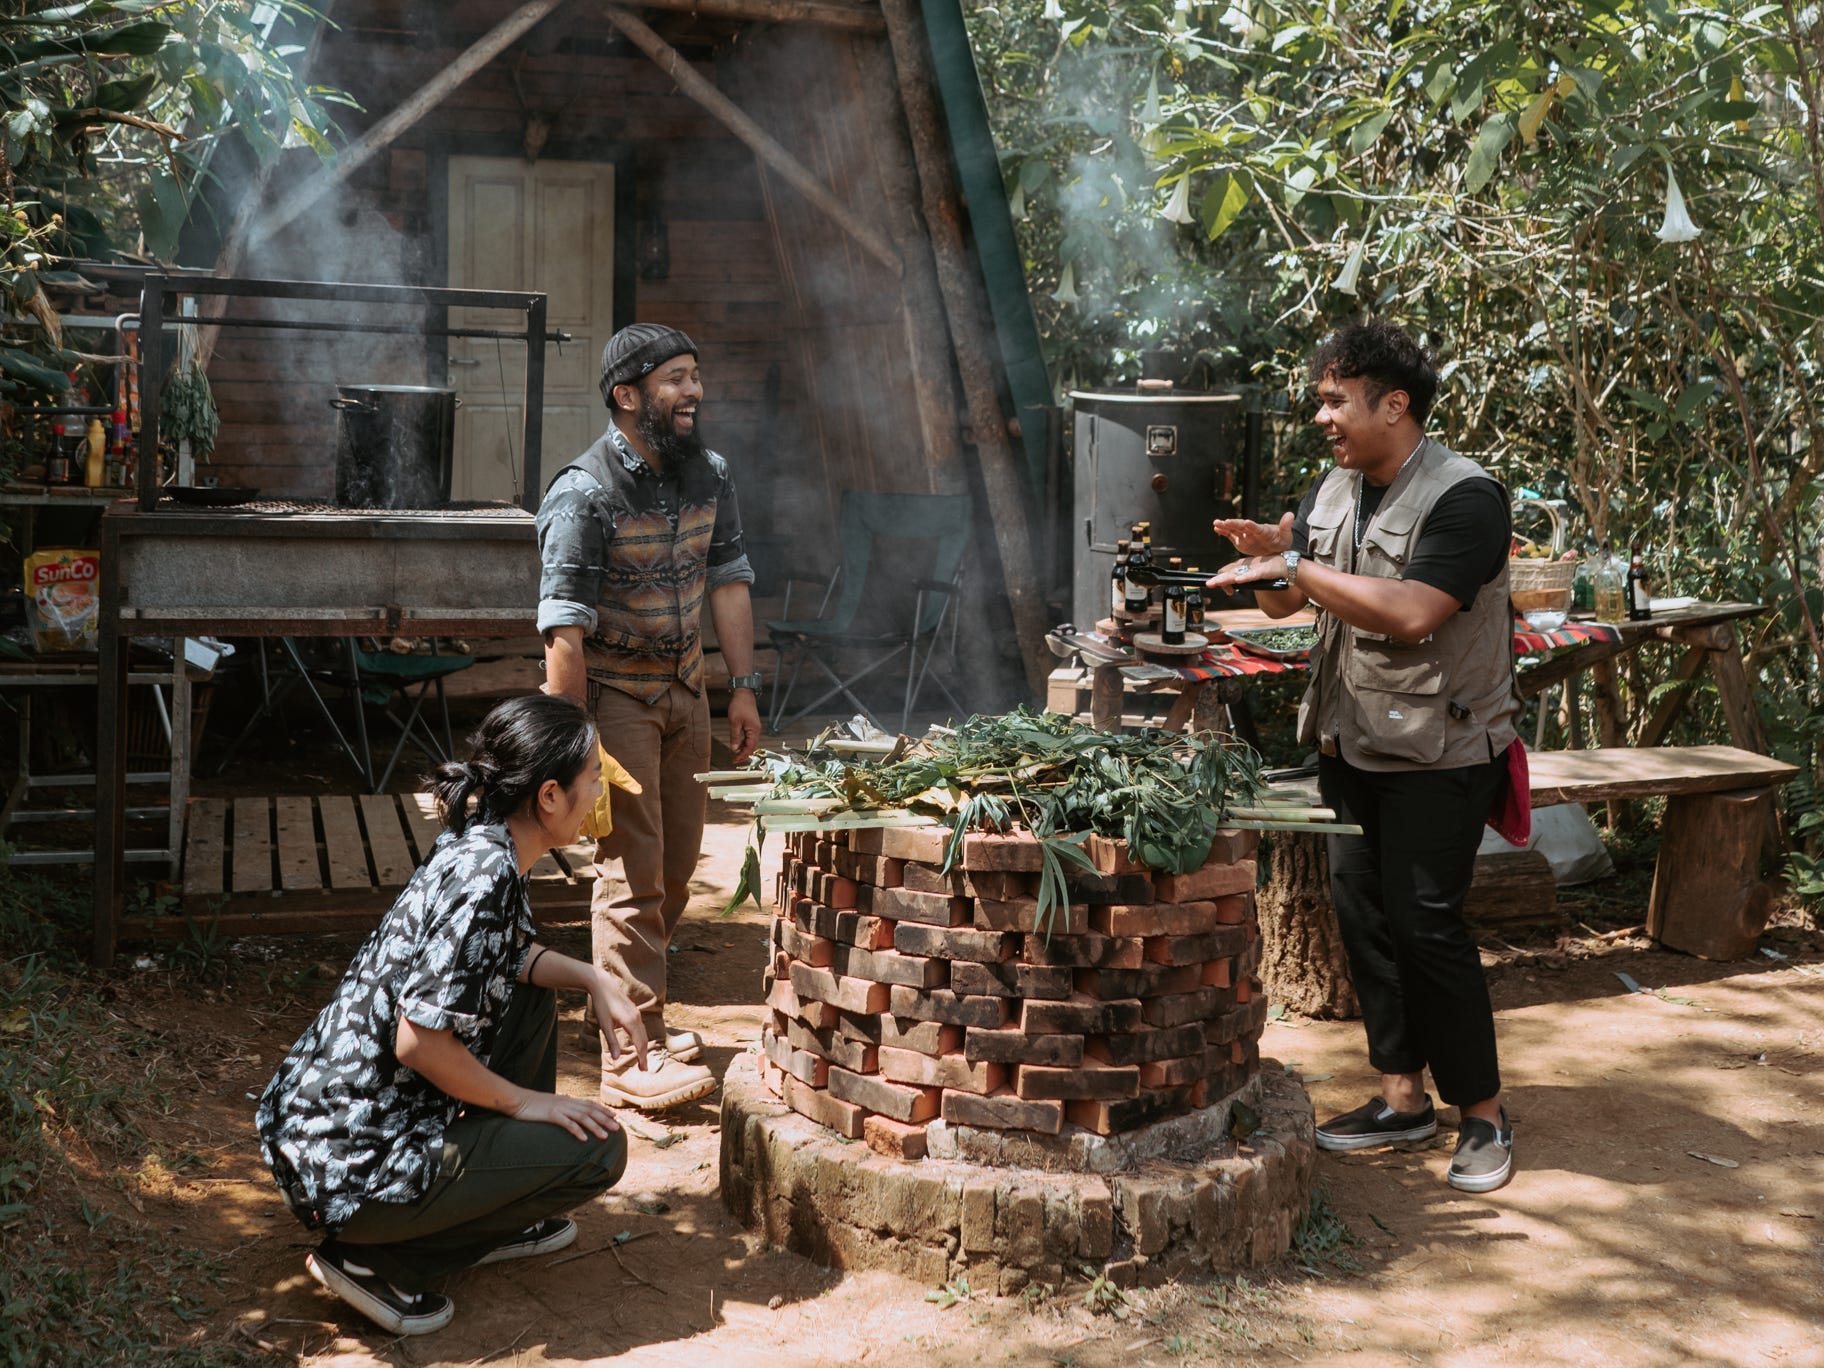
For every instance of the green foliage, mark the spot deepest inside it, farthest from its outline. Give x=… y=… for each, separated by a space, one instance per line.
x=1230 y=181
x=111 y=112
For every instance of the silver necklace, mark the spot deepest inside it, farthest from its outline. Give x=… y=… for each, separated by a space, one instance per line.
x=1361 y=486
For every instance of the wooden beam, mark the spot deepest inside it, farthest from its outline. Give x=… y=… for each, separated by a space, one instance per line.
x=970 y=334
x=765 y=147
x=862 y=18
x=435 y=92
x=1672 y=702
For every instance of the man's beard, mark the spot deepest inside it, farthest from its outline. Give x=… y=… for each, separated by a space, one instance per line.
x=677 y=451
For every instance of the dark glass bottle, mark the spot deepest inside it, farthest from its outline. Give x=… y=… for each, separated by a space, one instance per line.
x=1117 y=593
x=1640 y=590
x=1171 y=625
x=1193 y=605
x=57 y=458
x=1139 y=597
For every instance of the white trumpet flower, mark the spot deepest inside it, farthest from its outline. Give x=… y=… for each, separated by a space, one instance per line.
x=1178 y=207
x=1054 y=11
x=1678 y=226
x=1066 y=293
x=1352 y=268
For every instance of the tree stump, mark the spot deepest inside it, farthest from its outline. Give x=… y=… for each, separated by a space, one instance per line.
x=1301 y=950
x=1708 y=897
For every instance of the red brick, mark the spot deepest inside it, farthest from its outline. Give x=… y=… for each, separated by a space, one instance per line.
x=1016 y=1047
x=805 y=948
x=891 y=1100
x=1036 y=1082
x=988 y=947
x=1154 y=919
x=837 y=891
x=1220 y=943
x=1212 y=881
x=1180 y=1008
x=1173 y=1073
x=1232 y=846
x=1145 y=1046
x=937 y=1004
x=1003 y=1111
x=941 y=1071
x=784 y=999
x=895 y=1139
x=889 y=966
x=862 y=1027
x=925 y=844
x=1085 y=952
x=1000 y=883
x=770 y=1077
x=1150 y=980
x=875 y=870
x=1110 y=855
x=857 y=1056
x=800 y=1064
x=1022 y=914
x=927 y=1037
x=1226 y=1026
x=1108 y=1118
x=847 y=926
x=933 y=909
x=1235 y=910
x=824 y=851
x=1079 y=1016
x=1219 y=974
x=849 y=994
x=826 y=1110
x=924 y=878
x=1011 y=980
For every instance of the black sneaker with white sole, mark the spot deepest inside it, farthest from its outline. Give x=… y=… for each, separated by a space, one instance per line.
x=339 y=1269
x=1485 y=1155
x=547 y=1237
x=1375 y=1123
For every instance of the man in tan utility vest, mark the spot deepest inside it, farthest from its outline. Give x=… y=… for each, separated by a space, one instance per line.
x=635 y=535
x=1402 y=550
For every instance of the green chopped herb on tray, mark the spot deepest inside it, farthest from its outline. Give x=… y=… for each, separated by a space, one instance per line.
x=1278 y=638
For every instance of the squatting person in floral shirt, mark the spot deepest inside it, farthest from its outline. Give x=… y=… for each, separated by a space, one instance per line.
x=416 y=1122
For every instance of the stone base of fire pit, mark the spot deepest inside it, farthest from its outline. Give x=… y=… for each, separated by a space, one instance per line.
x=1177 y=1197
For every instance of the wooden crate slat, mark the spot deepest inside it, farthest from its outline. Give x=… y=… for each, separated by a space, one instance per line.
x=342 y=842
x=252 y=845
x=421 y=821
x=205 y=847
x=299 y=868
x=393 y=862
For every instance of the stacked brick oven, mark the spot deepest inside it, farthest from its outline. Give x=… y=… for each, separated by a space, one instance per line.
x=1094 y=1067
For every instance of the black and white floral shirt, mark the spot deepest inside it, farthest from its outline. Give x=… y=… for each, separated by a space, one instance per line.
x=343 y=1121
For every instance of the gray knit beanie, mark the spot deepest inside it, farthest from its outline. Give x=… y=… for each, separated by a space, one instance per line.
x=636 y=351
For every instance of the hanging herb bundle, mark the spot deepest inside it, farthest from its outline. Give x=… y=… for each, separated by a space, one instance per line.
x=187 y=404
x=1165 y=794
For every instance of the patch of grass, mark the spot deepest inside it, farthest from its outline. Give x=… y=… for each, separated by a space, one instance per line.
x=80 y=1281
x=1322 y=1239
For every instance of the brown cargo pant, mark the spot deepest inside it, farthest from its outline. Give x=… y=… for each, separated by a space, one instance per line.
x=657 y=837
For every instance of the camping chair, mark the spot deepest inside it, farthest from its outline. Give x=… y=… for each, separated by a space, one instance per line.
x=865 y=626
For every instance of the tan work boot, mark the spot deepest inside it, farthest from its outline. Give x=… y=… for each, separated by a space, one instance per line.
x=666 y=1081
x=683 y=1046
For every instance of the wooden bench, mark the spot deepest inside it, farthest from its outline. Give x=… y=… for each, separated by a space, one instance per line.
x=1708 y=895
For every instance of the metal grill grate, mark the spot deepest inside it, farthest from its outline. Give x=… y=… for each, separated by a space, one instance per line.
x=167 y=504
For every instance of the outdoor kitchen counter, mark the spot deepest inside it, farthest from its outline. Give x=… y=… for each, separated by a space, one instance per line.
x=270 y=569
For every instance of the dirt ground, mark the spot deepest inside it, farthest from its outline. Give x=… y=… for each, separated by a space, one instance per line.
x=1669 y=1205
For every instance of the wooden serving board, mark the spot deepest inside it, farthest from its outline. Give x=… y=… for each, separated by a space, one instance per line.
x=1150 y=643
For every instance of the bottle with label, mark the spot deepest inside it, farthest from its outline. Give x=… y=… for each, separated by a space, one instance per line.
x=1118 y=579
x=57 y=459
x=115 y=471
x=95 y=454
x=1640 y=590
x=1608 y=580
x=1193 y=605
x=1171 y=625
x=1583 y=586
x=1139 y=597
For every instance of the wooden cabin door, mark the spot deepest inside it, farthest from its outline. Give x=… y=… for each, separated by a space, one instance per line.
x=515 y=225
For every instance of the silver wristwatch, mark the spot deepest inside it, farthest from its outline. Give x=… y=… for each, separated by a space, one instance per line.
x=1291 y=558
x=746 y=681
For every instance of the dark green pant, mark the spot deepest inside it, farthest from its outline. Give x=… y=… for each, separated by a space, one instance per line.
x=497 y=1176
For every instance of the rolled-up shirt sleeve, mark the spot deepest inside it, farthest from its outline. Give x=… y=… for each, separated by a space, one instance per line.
x=572 y=548
x=727 y=558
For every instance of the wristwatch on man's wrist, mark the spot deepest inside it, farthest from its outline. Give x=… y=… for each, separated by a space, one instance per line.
x=746 y=681
x=1291 y=558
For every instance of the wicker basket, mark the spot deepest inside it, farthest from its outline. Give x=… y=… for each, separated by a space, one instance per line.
x=1537 y=585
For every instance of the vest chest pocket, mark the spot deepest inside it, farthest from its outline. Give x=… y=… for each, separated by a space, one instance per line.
x=1388 y=542
x=1324 y=534
x=1399 y=696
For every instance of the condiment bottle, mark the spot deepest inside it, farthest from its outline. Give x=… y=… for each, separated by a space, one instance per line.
x=1118 y=580
x=1610 y=586
x=1193 y=605
x=95 y=457
x=57 y=460
x=1640 y=590
x=1171 y=625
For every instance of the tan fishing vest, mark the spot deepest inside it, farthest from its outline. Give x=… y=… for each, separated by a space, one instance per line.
x=1381 y=704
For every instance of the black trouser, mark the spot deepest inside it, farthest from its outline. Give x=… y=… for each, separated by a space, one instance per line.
x=1398 y=890
x=498 y=1175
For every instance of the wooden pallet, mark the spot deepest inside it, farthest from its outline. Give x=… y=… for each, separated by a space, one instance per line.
x=298 y=863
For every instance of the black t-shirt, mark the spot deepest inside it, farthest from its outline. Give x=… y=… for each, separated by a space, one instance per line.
x=1464 y=542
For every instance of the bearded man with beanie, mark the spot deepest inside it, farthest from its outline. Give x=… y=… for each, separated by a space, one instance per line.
x=633 y=536
x=1402 y=549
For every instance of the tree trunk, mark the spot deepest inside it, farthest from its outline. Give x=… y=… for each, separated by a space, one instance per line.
x=1301 y=951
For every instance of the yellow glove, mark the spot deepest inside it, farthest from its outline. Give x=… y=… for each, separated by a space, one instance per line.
x=600 y=820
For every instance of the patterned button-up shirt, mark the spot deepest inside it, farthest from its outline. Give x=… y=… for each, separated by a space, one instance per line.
x=343 y=1121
